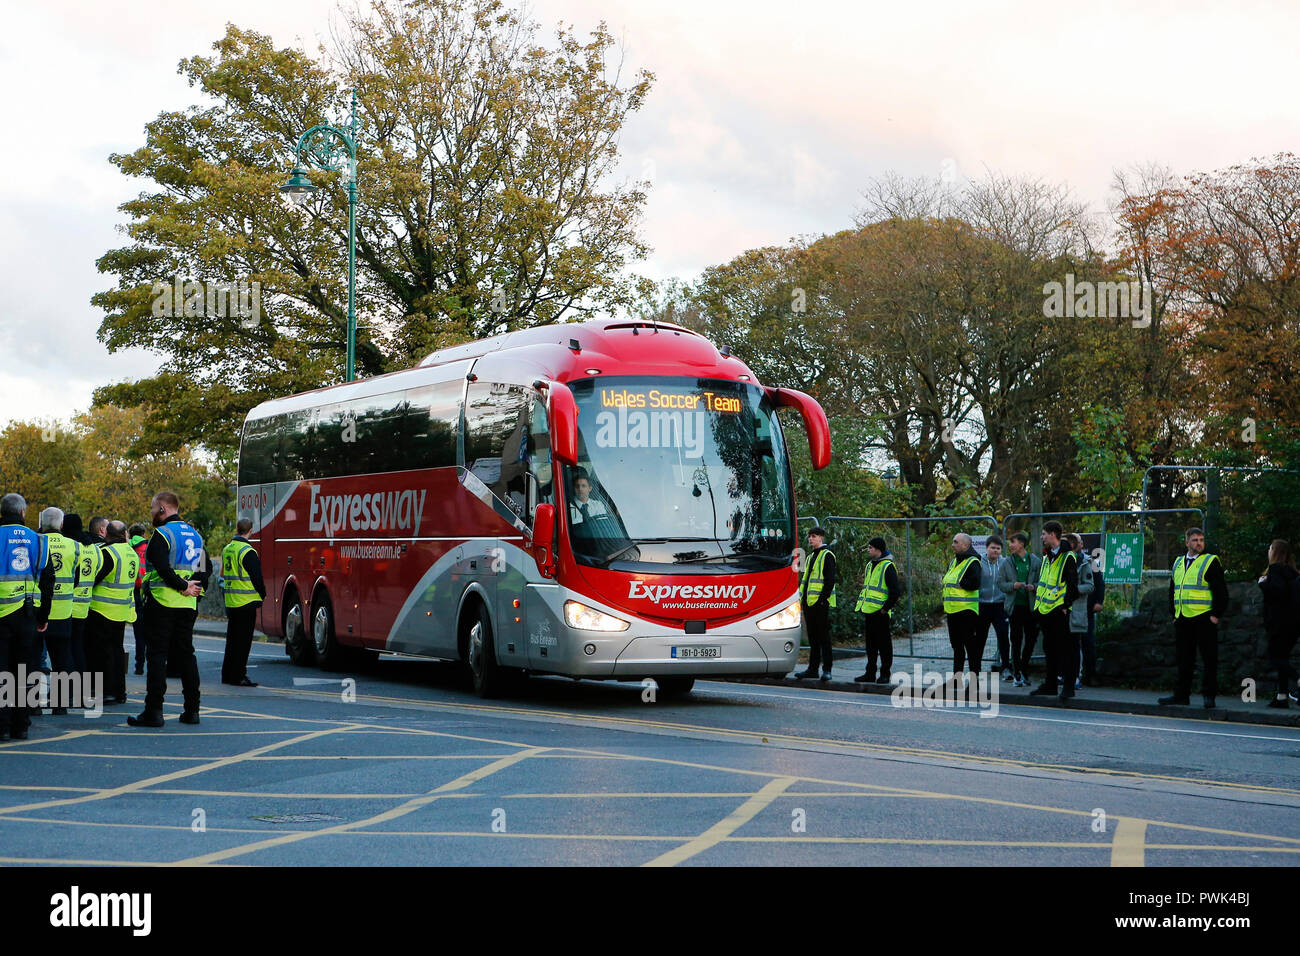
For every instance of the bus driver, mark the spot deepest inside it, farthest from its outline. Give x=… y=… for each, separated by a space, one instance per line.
x=583 y=507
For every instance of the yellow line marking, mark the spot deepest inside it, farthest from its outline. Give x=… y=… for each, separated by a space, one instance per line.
x=1130 y=837
x=409 y=806
x=19 y=745
x=291 y=796
x=757 y=736
x=174 y=775
x=727 y=826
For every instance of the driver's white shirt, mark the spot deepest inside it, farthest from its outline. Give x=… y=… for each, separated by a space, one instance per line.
x=594 y=509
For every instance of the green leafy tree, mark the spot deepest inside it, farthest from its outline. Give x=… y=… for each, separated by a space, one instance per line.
x=485 y=160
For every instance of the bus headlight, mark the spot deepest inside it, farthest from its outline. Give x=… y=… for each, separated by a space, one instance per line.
x=788 y=616
x=589 y=619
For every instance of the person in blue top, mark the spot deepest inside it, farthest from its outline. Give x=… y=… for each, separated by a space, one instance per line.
x=26 y=596
x=176 y=573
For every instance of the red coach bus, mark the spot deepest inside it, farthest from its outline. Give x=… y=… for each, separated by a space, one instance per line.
x=604 y=500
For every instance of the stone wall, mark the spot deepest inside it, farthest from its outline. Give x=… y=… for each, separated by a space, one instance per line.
x=1141 y=650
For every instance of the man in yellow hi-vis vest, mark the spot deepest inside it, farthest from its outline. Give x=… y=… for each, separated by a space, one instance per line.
x=244 y=590
x=1058 y=589
x=64 y=554
x=1198 y=596
x=112 y=608
x=880 y=592
x=961 y=604
x=817 y=594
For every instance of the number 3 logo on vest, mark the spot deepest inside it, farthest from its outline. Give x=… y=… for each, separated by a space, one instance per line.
x=21 y=562
x=191 y=552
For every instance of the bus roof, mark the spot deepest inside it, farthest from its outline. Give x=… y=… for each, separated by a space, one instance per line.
x=561 y=352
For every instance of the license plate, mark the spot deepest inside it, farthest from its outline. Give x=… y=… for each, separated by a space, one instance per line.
x=695 y=653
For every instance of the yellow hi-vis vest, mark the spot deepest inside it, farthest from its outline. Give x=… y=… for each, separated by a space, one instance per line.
x=114 y=597
x=812 y=582
x=91 y=559
x=1051 y=586
x=955 y=597
x=22 y=558
x=874 y=594
x=64 y=553
x=238 y=586
x=1192 y=597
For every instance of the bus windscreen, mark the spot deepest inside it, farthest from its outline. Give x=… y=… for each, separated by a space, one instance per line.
x=678 y=471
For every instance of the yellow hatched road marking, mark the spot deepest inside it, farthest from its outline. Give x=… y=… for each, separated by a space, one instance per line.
x=164 y=778
x=408 y=807
x=724 y=828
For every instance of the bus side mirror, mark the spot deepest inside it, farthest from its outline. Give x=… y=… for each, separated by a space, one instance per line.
x=562 y=412
x=814 y=421
x=544 y=539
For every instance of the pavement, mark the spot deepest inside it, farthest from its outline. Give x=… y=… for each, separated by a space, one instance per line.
x=1113 y=700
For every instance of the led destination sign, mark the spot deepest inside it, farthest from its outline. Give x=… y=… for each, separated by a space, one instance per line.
x=653 y=398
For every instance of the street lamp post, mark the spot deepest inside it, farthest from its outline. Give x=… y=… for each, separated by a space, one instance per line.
x=323 y=147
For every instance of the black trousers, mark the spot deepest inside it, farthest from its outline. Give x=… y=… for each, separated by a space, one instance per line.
x=239 y=641
x=1280 y=643
x=818 y=618
x=995 y=613
x=58 y=639
x=169 y=639
x=77 y=645
x=967 y=643
x=17 y=644
x=1191 y=634
x=104 y=653
x=880 y=646
x=1024 y=635
x=1061 y=648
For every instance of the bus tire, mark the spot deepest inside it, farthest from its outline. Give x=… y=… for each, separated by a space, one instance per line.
x=488 y=677
x=675 y=686
x=297 y=644
x=330 y=655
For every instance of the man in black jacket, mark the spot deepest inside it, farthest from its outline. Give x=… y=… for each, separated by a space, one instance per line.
x=1058 y=589
x=241 y=573
x=1198 y=597
x=817 y=594
x=880 y=592
x=961 y=602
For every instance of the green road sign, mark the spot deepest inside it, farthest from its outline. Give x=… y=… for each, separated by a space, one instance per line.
x=1123 y=559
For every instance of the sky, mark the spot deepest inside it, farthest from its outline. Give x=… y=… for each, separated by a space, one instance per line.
x=765 y=123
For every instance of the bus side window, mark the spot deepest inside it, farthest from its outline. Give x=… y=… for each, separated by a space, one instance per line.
x=496 y=420
x=540 y=485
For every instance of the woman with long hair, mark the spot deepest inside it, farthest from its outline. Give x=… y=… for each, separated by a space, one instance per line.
x=1281 y=618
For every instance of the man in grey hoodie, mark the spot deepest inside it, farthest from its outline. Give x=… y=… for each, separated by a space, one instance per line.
x=992 y=604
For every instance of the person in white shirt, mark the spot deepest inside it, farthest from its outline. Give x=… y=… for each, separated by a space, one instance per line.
x=583 y=507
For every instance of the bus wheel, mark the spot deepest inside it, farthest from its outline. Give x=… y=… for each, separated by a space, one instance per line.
x=675 y=686
x=296 y=643
x=329 y=654
x=481 y=656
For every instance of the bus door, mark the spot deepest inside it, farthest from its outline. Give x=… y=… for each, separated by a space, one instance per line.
x=540 y=635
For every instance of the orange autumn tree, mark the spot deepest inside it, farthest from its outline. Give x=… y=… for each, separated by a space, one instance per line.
x=1222 y=250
